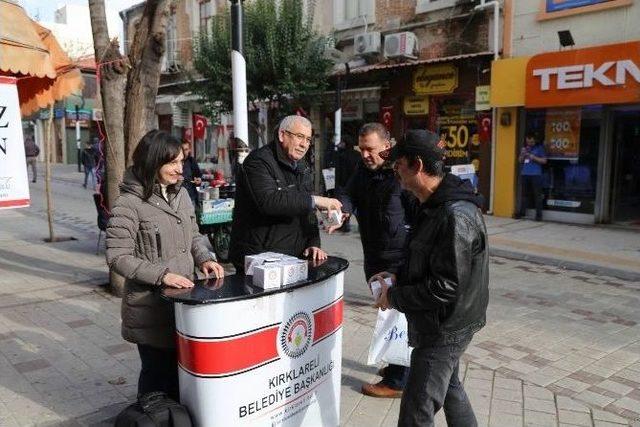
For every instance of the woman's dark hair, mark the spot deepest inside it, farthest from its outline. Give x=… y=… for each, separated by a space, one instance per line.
x=154 y=150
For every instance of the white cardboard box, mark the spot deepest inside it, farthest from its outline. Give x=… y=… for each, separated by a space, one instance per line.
x=251 y=261
x=293 y=270
x=267 y=276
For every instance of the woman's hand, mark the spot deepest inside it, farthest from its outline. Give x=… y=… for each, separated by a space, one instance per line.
x=210 y=267
x=173 y=280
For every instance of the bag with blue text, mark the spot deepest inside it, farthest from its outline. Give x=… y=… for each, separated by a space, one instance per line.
x=390 y=339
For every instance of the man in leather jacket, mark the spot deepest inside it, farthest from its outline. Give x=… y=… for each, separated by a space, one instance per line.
x=443 y=285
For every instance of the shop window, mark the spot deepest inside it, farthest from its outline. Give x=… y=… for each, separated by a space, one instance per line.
x=207 y=12
x=424 y=6
x=353 y=13
x=571 y=140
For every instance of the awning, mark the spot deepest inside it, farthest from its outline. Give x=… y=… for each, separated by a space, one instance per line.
x=386 y=65
x=31 y=53
x=357 y=94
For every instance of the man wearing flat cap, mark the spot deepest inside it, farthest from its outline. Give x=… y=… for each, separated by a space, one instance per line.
x=443 y=286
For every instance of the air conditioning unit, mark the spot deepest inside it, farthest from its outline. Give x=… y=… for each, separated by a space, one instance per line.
x=367 y=43
x=401 y=45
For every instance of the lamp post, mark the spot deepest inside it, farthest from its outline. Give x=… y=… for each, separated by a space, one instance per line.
x=78 y=135
x=239 y=77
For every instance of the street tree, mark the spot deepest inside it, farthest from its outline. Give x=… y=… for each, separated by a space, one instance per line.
x=128 y=85
x=285 y=63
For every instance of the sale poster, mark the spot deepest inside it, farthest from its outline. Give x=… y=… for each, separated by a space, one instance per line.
x=562 y=133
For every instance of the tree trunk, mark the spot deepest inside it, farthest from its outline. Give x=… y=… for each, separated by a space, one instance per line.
x=113 y=69
x=47 y=173
x=142 y=85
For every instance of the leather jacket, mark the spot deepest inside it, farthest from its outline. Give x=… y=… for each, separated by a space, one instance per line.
x=443 y=288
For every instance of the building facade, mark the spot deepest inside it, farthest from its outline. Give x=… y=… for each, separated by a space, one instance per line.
x=573 y=82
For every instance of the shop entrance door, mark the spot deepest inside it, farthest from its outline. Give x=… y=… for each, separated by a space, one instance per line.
x=625 y=194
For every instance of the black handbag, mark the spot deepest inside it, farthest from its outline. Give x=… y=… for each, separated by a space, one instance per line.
x=154 y=409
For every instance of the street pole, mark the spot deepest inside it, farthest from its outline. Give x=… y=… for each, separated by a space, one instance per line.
x=78 y=135
x=239 y=78
x=337 y=116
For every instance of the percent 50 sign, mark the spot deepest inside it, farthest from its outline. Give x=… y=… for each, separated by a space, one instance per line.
x=562 y=133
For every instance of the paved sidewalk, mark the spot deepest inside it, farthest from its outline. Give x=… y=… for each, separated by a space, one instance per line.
x=561 y=347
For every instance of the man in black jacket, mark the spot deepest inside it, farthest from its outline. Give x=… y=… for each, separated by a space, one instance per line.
x=274 y=206
x=191 y=173
x=443 y=285
x=383 y=211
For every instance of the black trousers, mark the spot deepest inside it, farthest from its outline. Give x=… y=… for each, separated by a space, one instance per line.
x=433 y=384
x=159 y=371
x=531 y=189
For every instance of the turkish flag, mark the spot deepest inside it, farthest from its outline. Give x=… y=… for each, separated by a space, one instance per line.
x=386 y=117
x=199 y=126
x=484 y=128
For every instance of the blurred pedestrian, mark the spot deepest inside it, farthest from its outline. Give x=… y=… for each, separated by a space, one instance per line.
x=191 y=173
x=532 y=157
x=346 y=163
x=153 y=241
x=88 y=158
x=31 y=151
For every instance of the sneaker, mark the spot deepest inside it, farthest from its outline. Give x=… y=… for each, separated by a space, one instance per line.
x=381 y=390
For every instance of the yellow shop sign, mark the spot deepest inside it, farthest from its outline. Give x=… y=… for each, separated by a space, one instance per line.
x=435 y=79
x=416 y=105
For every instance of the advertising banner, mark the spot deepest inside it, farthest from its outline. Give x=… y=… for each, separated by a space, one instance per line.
x=279 y=366
x=458 y=131
x=562 y=133
x=14 y=182
x=435 y=79
x=556 y=5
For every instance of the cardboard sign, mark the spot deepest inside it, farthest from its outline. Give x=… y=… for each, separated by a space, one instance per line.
x=14 y=181
x=483 y=101
x=562 y=133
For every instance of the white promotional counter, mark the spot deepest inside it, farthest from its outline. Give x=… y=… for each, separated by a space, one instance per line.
x=254 y=357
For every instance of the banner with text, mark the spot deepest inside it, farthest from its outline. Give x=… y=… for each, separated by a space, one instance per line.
x=562 y=133
x=14 y=182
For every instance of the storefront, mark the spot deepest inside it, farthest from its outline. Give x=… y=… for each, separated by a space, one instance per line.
x=445 y=95
x=583 y=105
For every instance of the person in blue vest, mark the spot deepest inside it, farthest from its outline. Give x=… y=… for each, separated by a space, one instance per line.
x=532 y=157
x=384 y=212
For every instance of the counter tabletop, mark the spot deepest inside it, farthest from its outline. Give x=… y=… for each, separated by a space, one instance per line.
x=239 y=287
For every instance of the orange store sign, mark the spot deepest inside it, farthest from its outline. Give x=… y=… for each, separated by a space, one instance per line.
x=599 y=75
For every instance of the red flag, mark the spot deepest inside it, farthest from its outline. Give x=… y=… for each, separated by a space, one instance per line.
x=386 y=117
x=199 y=126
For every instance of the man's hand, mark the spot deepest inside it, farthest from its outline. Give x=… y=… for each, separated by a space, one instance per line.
x=380 y=277
x=210 y=267
x=173 y=280
x=383 y=301
x=327 y=204
x=330 y=229
x=316 y=254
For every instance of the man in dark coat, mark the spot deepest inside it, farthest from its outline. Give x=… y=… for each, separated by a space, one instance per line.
x=383 y=211
x=274 y=205
x=347 y=161
x=191 y=173
x=443 y=287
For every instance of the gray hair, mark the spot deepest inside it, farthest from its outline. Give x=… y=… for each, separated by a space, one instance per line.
x=374 y=127
x=289 y=121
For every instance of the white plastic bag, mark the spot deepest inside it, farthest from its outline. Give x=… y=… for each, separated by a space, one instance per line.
x=390 y=339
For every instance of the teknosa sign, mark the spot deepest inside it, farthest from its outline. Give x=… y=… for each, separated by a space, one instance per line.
x=599 y=75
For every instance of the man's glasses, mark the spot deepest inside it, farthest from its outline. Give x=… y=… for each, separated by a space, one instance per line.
x=299 y=136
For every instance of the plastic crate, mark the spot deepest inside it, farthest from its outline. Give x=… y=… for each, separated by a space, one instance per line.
x=216 y=217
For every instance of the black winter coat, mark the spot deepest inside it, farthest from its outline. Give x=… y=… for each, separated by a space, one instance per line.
x=443 y=287
x=384 y=212
x=273 y=207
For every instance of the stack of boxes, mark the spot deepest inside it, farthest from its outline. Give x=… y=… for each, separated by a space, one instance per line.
x=272 y=270
x=216 y=211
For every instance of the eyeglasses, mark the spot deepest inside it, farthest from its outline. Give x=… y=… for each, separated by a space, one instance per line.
x=299 y=136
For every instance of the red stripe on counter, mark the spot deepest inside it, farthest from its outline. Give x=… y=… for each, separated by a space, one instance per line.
x=225 y=357
x=18 y=203
x=327 y=320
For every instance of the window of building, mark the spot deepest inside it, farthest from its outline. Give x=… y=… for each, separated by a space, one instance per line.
x=352 y=13
x=571 y=139
x=207 y=11
x=171 y=56
x=423 y=6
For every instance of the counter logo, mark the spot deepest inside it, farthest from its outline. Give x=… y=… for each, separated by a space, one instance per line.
x=296 y=335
